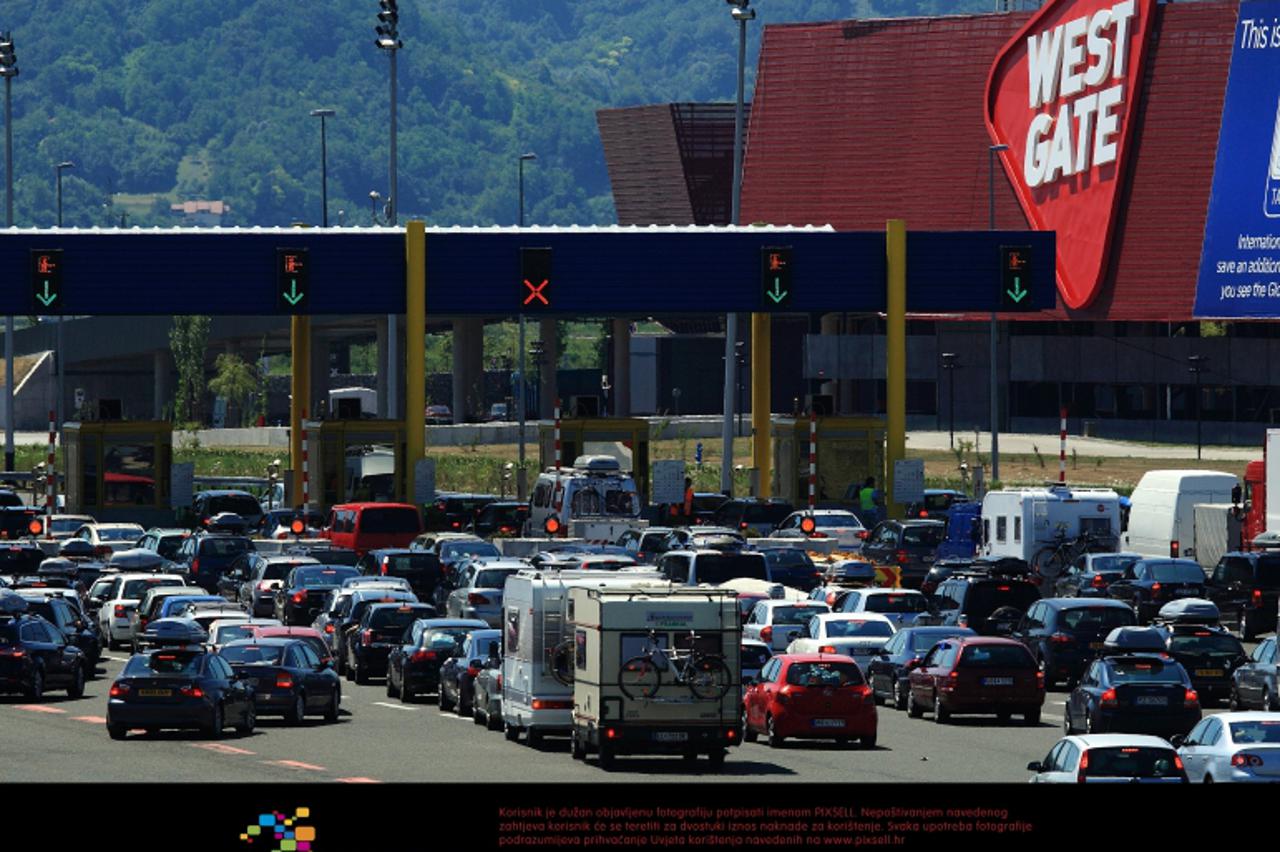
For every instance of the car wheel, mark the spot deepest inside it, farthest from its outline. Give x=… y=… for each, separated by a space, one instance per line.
x=406 y=695
x=899 y=695
x=1032 y=717
x=360 y=673
x=577 y=746
x=868 y=741
x=771 y=731
x=1234 y=703
x=445 y=703
x=493 y=721
x=35 y=690
x=604 y=757
x=116 y=732
x=914 y=710
x=331 y=709
x=1067 y=730
x=76 y=689
x=297 y=711
x=941 y=715
x=748 y=733
x=510 y=732
x=216 y=723
x=245 y=728
x=1269 y=702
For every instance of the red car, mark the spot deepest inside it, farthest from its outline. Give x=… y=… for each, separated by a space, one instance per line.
x=978 y=674
x=810 y=696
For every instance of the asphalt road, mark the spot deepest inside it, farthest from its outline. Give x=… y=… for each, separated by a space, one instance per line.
x=381 y=740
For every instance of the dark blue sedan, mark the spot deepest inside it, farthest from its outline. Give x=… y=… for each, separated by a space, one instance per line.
x=180 y=687
x=889 y=672
x=289 y=678
x=1133 y=694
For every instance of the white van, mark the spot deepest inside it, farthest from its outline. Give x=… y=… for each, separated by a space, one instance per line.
x=1162 y=509
x=595 y=487
x=1023 y=522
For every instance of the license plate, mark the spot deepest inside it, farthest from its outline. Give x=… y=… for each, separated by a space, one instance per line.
x=670 y=737
x=997 y=681
x=1184 y=593
x=155 y=693
x=1094 y=646
x=1209 y=672
x=1152 y=700
x=828 y=723
x=926 y=559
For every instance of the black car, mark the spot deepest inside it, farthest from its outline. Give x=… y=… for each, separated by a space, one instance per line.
x=34 y=657
x=1065 y=634
x=458 y=674
x=990 y=604
x=413 y=666
x=302 y=594
x=888 y=672
x=1091 y=574
x=422 y=570
x=908 y=545
x=1149 y=584
x=65 y=614
x=751 y=516
x=183 y=686
x=498 y=519
x=253 y=579
x=944 y=568
x=1256 y=684
x=792 y=566
x=454 y=512
x=347 y=616
x=20 y=558
x=204 y=557
x=326 y=554
x=206 y=505
x=379 y=630
x=1246 y=588
x=1133 y=694
x=1210 y=655
x=289 y=678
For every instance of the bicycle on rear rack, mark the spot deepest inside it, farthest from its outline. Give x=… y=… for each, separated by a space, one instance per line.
x=706 y=675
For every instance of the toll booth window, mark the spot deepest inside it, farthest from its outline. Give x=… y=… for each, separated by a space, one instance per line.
x=541 y=495
x=128 y=474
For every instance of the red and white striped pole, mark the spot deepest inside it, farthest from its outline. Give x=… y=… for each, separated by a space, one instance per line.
x=557 y=432
x=813 y=458
x=306 y=478
x=51 y=477
x=1062 y=450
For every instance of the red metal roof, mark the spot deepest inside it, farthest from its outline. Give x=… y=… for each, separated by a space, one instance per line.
x=856 y=122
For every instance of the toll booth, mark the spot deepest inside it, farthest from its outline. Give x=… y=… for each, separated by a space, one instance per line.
x=849 y=450
x=354 y=460
x=119 y=470
x=624 y=438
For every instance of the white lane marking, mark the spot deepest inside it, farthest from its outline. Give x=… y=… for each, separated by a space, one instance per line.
x=295 y=764
x=394 y=706
x=221 y=748
x=95 y=720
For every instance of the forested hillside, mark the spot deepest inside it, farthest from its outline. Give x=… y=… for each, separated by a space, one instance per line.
x=159 y=101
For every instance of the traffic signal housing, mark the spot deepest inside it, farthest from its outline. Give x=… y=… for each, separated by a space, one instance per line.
x=1016 y=281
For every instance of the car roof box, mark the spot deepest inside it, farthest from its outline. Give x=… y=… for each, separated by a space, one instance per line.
x=1128 y=640
x=1189 y=611
x=597 y=464
x=174 y=631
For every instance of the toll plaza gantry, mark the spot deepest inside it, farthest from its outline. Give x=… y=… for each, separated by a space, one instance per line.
x=549 y=272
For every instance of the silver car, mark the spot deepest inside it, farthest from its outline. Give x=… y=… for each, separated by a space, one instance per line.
x=1240 y=747
x=479 y=592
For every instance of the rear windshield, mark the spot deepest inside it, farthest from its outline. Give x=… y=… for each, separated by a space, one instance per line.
x=1113 y=563
x=311 y=578
x=896 y=603
x=232 y=632
x=277 y=570
x=120 y=533
x=225 y=546
x=754 y=656
x=1147 y=671
x=254 y=655
x=1269 y=572
x=795 y=614
x=837 y=629
x=397 y=618
x=939 y=502
x=391 y=519
x=135 y=589
x=1177 y=572
x=925 y=641
x=1261 y=731
x=930 y=536
x=986 y=597
x=824 y=674
x=1096 y=619
x=66 y=524
x=240 y=504
x=468 y=548
x=509 y=514
x=1215 y=644
x=445 y=638
x=169 y=546
x=1132 y=762
x=997 y=657
x=408 y=565
x=493 y=578
x=719 y=568
x=163 y=663
x=792 y=557
x=840 y=520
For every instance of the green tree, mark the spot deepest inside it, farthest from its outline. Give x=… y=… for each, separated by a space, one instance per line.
x=236 y=381
x=188 y=340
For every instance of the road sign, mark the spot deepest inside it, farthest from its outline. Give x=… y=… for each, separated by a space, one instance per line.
x=667 y=483
x=46 y=281
x=535 y=279
x=775 y=278
x=908 y=481
x=293 y=280
x=1016 y=279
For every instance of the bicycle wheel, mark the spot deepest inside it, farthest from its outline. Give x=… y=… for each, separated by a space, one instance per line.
x=562 y=663
x=639 y=678
x=708 y=678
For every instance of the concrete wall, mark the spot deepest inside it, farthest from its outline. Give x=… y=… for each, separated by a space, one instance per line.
x=33 y=398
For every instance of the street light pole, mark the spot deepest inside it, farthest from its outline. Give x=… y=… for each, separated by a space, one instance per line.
x=995 y=379
x=322 y=114
x=8 y=70
x=388 y=31
x=59 y=362
x=740 y=13
x=522 y=476
x=949 y=363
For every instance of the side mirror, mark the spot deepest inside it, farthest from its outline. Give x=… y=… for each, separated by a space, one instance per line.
x=324 y=664
x=1177 y=740
x=1034 y=766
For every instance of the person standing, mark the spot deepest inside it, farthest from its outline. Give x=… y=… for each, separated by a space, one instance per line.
x=867 y=502
x=688 y=501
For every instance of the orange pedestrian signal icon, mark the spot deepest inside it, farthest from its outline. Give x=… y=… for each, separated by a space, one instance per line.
x=775 y=278
x=46 y=281
x=293 y=281
x=1015 y=279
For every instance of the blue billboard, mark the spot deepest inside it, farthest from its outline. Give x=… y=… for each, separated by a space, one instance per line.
x=1240 y=259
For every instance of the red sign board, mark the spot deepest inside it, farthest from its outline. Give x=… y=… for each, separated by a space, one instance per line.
x=1063 y=96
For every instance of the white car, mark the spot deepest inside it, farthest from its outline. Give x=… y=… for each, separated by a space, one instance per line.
x=900 y=606
x=110 y=538
x=776 y=623
x=206 y=613
x=1109 y=758
x=1233 y=747
x=398 y=584
x=839 y=524
x=860 y=636
x=122 y=598
x=226 y=630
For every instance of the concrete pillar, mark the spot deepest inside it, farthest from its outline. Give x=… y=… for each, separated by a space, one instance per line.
x=162 y=365
x=548 y=387
x=318 y=400
x=468 y=369
x=380 y=324
x=620 y=396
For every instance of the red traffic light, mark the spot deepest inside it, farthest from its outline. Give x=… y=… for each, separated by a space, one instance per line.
x=297 y=527
x=808 y=525
x=552 y=525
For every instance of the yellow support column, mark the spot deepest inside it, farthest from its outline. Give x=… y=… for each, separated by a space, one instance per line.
x=761 y=395
x=299 y=393
x=415 y=367
x=896 y=356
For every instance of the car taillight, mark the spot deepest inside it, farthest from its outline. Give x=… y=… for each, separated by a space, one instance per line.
x=473 y=671
x=827 y=649
x=1040 y=680
x=923 y=513
x=864 y=692
x=1098 y=582
x=284 y=681
x=457 y=525
x=1177 y=761
x=15 y=653
x=1155 y=588
x=902 y=557
x=366 y=637
x=328 y=628
x=118 y=689
x=264 y=586
x=1256 y=598
x=611 y=733
x=731 y=734
x=742 y=525
x=864 y=534
x=477 y=599
x=1192 y=699
x=1108 y=698
x=195 y=566
x=506 y=529
x=299 y=597
x=384 y=567
x=1084 y=764
x=499 y=681
x=421 y=656
x=120 y=611
x=1173 y=549
x=102 y=550
x=191 y=691
x=1059 y=638
x=766 y=634
x=1243 y=760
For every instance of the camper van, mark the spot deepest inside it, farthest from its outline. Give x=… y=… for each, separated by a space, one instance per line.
x=537 y=695
x=631 y=692
x=595 y=487
x=1023 y=522
x=1162 y=514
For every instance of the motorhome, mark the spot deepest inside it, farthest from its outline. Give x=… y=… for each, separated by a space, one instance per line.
x=595 y=488
x=1025 y=522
